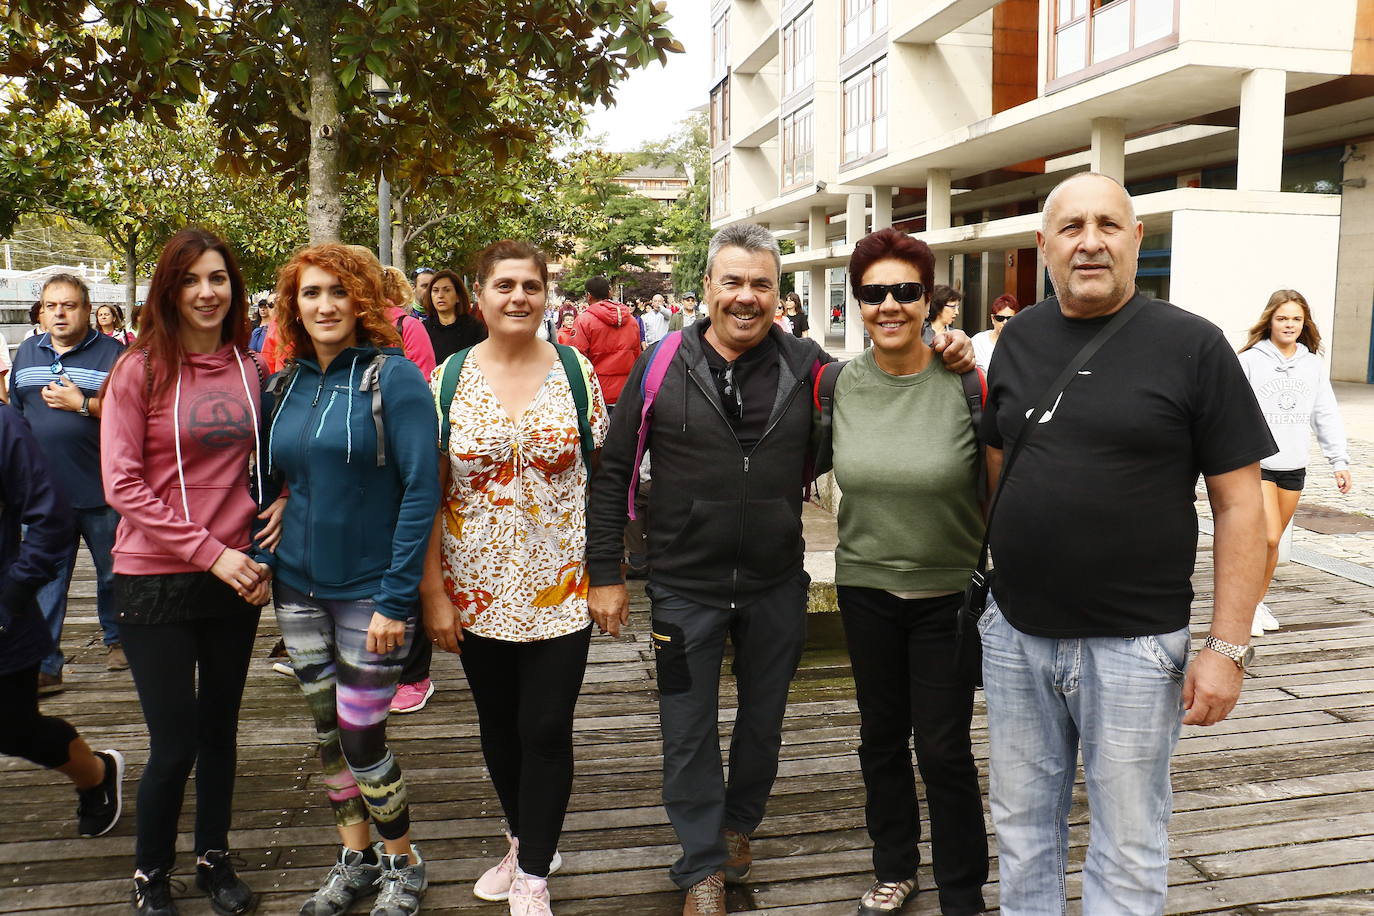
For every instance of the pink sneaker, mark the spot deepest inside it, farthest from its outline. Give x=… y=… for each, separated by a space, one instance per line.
x=412 y=697
x=495 y=884
x=529 y=896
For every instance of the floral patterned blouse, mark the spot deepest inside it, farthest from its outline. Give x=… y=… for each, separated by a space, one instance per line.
x=515 y=514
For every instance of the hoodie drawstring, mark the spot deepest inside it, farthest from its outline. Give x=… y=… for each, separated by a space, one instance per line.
x=176 y=435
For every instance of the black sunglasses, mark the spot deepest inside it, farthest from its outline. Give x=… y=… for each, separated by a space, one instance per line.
x=905 y=293
x=730 y=397
x=415 y=274
x=1001 y=318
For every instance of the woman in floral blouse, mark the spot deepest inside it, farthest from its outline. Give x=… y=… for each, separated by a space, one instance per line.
x=506 y=572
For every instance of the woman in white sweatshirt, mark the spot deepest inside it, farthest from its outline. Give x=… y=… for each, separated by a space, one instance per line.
x=1280 y=359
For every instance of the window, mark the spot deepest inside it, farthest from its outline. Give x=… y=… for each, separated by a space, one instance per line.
x=865 y=112
x=720 y=46
x=798 y=53
x=862 y=19
x=798 y=143
x=720 y=187
x=1092 y=32
x=720 y=114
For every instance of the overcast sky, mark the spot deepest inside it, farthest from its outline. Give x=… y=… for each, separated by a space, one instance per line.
x=652 y=101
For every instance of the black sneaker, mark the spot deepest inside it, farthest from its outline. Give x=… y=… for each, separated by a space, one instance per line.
x=351 y=879
x=98 y=809
x=153 y=893
x=229 y=896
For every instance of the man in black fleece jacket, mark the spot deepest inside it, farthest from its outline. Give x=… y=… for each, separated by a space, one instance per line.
x=731 y=425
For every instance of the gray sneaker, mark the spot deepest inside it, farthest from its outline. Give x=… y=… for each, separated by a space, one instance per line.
x=349 y=879
x=403 y=884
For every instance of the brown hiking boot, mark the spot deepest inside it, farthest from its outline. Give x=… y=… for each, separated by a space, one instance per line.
x=706 y=897
x=738 y=858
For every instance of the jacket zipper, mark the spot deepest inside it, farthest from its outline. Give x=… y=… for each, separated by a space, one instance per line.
x=739 y=544
x=309 y=512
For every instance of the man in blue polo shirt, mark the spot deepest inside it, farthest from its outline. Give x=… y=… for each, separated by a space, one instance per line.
x=55 y=383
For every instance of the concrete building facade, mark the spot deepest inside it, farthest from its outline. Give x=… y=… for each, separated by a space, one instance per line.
x=1244 y=130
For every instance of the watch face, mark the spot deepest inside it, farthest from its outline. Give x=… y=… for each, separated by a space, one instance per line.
x=1247 y=657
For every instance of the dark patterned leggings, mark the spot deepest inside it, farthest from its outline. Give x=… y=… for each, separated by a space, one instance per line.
x=349 y=691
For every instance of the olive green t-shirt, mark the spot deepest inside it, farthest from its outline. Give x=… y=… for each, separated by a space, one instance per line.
x=906 y=463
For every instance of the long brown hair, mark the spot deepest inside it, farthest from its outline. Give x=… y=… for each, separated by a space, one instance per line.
x=464 y=305
x=361 y=275
x=159 y=325
x=1310 y=337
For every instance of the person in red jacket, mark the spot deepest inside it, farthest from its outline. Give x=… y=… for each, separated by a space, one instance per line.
x=608 y=335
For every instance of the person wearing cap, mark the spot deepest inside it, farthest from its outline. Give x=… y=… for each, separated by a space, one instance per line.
x=687 y=316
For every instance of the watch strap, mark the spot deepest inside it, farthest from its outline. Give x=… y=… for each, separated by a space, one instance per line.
x=1232 y=651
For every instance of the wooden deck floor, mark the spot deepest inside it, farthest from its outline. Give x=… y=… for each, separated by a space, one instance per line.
x=1274 y=808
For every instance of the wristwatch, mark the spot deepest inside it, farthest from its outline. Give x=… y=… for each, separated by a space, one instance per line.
x=85 y=409
x=1243 y=656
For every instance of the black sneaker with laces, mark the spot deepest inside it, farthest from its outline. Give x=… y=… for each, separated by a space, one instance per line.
x=98 y=808
x=153 y=893
x=229 y=896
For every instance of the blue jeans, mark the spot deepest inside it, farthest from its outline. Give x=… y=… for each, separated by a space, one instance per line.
x=1120 y=699
x=97 y=527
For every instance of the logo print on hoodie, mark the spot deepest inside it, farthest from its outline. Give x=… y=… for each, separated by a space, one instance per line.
x=219 y=419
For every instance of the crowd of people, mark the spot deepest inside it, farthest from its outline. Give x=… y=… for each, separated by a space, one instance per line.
x=398 y=469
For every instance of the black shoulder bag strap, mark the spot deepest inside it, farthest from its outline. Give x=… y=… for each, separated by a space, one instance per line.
x=975 y=602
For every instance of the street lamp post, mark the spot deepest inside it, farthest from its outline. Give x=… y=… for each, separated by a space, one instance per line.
x=383 y=93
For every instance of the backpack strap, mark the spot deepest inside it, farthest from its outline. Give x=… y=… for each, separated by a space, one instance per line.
x=820 y=457
x=400 y=320
x=975 y=384
x=449 y=371
x=659 y=358
x=579 y=383
x=372 y=381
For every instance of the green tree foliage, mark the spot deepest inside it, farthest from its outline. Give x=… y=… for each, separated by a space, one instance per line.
x=290 y=81
x=687 y=225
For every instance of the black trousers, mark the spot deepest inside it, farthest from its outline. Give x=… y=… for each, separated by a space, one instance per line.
x=418 y=658
x=190 y=677
x=907 y=681
x=24 y=731
x=526 y=693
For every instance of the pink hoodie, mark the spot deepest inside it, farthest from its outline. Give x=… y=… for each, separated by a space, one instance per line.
x=178 y=512
x=414 y=339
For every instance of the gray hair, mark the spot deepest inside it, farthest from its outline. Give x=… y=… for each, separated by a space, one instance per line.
x=1077 y=176
x=71 y=280
x=750 y=237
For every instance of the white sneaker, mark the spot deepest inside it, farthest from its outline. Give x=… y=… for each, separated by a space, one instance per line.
x=495 y=883
x=529 y=896
x=1266 y=617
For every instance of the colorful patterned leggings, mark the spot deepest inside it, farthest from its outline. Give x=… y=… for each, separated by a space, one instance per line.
x=349 y=691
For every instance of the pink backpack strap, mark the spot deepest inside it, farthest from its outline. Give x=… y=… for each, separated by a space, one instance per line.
x=659 y=360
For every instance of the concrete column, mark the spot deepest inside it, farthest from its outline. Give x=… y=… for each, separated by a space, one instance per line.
x=818 y=295
x=1260 y=154
x=937 y=199
x=882 y=207
x=855 y=228
x=938 y=215
x=1109 y=147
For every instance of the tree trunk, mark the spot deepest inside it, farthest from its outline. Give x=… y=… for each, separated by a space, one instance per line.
x=399 y=232
x=130 y=274
x=324 y=209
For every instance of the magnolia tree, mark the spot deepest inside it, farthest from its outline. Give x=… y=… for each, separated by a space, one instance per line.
x=291 y=83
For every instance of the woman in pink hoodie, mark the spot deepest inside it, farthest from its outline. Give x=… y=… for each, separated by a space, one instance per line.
x=179 y=443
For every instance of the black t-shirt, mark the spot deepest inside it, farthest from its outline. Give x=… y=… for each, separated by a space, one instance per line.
x=448 y=339
x=1095 y=533
x=799 y=323
x=756 y=374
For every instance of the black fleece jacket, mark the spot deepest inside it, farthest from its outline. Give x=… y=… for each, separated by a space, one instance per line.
x=719 y=532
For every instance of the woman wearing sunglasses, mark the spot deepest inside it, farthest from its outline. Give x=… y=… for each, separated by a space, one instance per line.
x=1003 y=307
x=910 y=528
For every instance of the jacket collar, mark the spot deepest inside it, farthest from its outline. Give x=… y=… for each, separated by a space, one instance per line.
x=45 y=341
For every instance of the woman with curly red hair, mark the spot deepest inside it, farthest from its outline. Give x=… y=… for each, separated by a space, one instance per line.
x=352 y=433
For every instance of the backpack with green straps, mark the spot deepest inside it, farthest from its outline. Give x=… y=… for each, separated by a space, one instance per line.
x=452 y=368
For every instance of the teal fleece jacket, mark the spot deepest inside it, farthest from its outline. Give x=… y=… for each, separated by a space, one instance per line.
x=352 y=529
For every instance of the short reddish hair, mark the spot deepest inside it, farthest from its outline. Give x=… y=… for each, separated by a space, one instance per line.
x=509 y=250
x=890 y=244
x=1004 y=301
